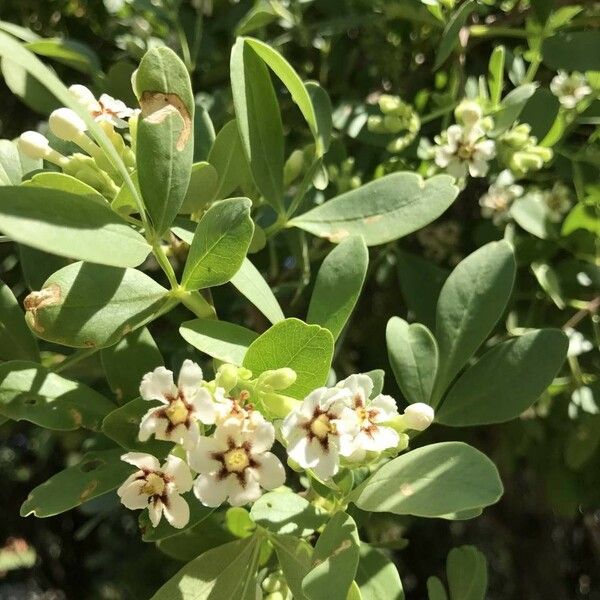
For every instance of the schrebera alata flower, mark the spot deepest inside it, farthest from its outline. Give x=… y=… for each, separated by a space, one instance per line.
x=183 y=405
x=234 y=464
x=157 y=488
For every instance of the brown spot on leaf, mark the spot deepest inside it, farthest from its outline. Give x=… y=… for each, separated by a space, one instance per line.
x=37 y=301
x=76 y=416
x=372 y=219
x=406 y=489
x=337 y=236
x=157 y=106
x=88 y=490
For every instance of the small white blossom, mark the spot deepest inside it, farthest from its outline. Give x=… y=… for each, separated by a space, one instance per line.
x=495 y=204
x=558 y=201
x=106 y=108
x=570 y=89
x=461 y=150
x=577 y=342
x=184 y=405
x=157 y=488
x=373 y=435
x=235 y=464
x=34 y=144
x=418 y=416
x=321 y=429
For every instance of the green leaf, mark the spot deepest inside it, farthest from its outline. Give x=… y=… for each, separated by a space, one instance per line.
x=97 y=473
x=496 y=74
x=432 y=481
x=16 y=341
x=323 y=113
x=223 y=573
x=435 y=589
x=69 y=225
x=220 y=244
x=251 y=284
x=338 y=285
x=92 y=306
x=449 y=39
x=295 y=559
x=506 y=380
x=317 y=121
x=228 y=158
x=466 y=569
x=123 y=425
x=548 y=279
x=413 y=355
x=533 y=215
x=37 y=266
x=128 y=361
x=377 y=576
x=165 y=137
x=382 y=210
x=30 y=392
x=286 y=512
x=164 y=531
x=512 y=105
x=224 y=341
x=258 y=121
x=307 y=349
x=335 y=560
x=238 y=521
x=582 y=216
x=65 y=183
x=202 y=188
x=68 y=52
x=378 y=377
x=204 y=132
x=573 y=51
x=260 y=15
x=14 y=164
x=470 y=303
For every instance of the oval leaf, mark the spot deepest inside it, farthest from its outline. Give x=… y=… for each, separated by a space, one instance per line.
x=307 y=349
x=382 y=210
x=432 y=481
x=506 y=380
x=92 y=306
x=16 y=341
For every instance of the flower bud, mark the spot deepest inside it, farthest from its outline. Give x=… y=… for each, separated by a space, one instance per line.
x=34 y=144
x=526 y=161
x=375 y=124
x=403 y=441
x=227 y=376
x=393 y=124
x=418 y=416
x=65 y=124
x=273 y=582
x=84 y=96
x=278 y=379
x=293 y=166
x=389 y=104
x=468 y=112
x=518 y=137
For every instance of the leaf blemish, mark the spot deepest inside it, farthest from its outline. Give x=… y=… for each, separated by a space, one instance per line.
x=157 y=106
x=88 y=490
x=37 y=301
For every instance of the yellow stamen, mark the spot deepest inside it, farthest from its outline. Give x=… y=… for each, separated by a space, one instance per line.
x=154 y=486
x=177 y=412
x=236 y=460
x=321 y=427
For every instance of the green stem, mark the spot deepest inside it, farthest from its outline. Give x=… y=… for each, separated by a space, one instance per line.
x=74 y=358
x=164 y=263
x=438 y=113
x=197 y=304
x=491 y=31
x=302 y=189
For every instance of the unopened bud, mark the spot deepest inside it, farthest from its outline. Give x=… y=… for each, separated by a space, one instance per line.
x=34 y=144
x=227 y=376
x=389 y=104
x=418 y=416
x=375 y=124
x=518 y=137
x=273 y=582
x=278 y=405
x=65 y=124
x=468 y=112
x=526 y=161
x=278 y=379
x=84 y=96
x=393 y=124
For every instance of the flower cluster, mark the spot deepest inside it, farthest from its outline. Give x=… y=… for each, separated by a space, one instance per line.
x=65 y=124
x=570 y=89
x=496 y=203
x=220 y=429
x=464 y=148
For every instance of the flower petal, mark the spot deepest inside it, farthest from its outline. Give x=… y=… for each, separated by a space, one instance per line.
x=179 y=471
x=152 y=424
x=141 y=460
x=360 y=387
x=263 y=437
x=211 y=490
x=158 y=385
x=386 y=408
x=271 y=473
x=203 y=406
x=190 y=375
x=155 y=509
x=131 y=495
x=200 y=458
x=242 y=494
x=177 y=511
x=380 y=439
x=328 y=463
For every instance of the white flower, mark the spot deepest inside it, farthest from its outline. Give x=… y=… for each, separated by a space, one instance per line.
x=34 y=144
x=65 y=124
x=461 y=150
x=235 y=463
x=570 y=89
x=320 y=430
x=577 y=342
x=372 y=435
x=496 y=203
x=106 y=108
x=157 y=488
x=558 y=201
x=184 y=405
x=418 y=416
